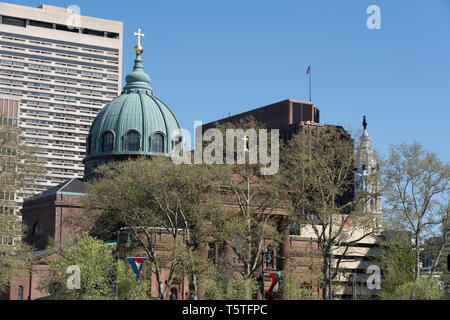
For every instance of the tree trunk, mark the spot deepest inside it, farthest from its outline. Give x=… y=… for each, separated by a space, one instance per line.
x=417 y=271
x=438 y=258
x=326 y=275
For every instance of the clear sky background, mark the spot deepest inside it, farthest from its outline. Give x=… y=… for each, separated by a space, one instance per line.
x=209 y=58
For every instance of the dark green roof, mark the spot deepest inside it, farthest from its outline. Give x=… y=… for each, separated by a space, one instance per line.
x=136 y=109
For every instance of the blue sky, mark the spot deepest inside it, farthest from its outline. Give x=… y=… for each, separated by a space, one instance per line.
x=210 y=58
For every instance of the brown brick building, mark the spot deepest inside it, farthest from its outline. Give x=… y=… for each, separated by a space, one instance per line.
x=288 y=116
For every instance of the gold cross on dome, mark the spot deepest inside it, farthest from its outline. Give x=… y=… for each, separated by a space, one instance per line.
x=139 y=35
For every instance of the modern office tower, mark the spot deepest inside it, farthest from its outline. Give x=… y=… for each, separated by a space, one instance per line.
x=63 y=68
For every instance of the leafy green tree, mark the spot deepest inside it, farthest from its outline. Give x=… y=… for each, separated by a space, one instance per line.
x=425 y=289
x=128 y=288
x=217 y=284
x=439 y=241
x=98 y=272
x=416 y=184
x=214 y=283
x=154 y=196
x=303 y=278
x=241 y=289
x=19 y=167
x=397 y=264
x=14 y=253
x=294 y=287
x=317 y=169
x=248 y=219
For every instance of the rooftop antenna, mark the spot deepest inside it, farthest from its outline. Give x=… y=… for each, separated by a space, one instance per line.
x=364 y=123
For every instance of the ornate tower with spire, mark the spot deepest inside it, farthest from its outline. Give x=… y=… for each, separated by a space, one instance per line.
x=366 y=168
x=136 y=123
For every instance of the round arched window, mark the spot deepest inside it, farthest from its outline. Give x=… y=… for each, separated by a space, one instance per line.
x=107 y=142
x=158 y=143
x=132 y=141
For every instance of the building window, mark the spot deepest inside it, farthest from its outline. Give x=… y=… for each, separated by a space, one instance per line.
x=41 y=24
x=158 y=143
x=94 y=32
x=66 y=28
x=20 y=293
x=211 y=251
x=90 y=145
x=14 y=21
x=132 y=141
x=173 y=294
x=107 y=142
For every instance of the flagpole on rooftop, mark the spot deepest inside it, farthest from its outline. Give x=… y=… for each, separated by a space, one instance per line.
x=308 y=71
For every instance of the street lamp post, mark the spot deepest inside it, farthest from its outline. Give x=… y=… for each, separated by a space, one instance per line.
x=329 y=258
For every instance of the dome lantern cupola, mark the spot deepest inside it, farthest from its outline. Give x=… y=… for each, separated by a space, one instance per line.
x=138 y=79
x=136 y=123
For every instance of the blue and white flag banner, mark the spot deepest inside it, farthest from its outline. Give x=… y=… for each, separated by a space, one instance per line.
x=136 y=264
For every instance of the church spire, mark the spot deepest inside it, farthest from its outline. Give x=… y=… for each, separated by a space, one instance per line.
x=138 y=79
x=365 y=157
x=366 y=169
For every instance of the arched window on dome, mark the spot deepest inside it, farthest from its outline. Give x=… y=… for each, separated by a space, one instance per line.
x=90 y=145
x=158 y=143
x=132 y=141
x=107 y=142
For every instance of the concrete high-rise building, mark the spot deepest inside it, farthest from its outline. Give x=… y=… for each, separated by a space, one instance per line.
x=63 y=68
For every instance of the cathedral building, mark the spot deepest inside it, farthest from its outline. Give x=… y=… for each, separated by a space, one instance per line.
x=137 y=123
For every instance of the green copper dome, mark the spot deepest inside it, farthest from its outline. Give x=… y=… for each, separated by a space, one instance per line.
x=133 y=124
